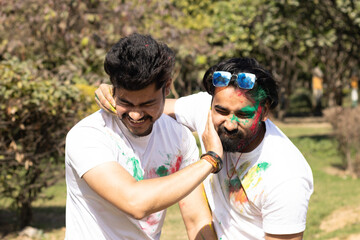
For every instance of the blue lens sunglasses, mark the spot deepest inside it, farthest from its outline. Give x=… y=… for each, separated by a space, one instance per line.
x=244 y=80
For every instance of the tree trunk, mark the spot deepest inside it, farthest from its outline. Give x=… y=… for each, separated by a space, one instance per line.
x=25 y=214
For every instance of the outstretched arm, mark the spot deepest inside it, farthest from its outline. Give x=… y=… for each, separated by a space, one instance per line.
x=141 y=198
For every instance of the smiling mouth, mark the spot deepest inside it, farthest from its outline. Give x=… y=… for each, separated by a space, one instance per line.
x=139 y=121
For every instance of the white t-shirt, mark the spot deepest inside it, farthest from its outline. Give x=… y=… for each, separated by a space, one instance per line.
x=101 y=138
x=270 y=189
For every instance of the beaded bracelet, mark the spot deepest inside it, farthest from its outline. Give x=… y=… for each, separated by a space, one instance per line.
x=214 y=159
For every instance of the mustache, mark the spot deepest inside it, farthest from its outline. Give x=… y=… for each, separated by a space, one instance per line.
x=230 y=134
x=232 y=141
x=145 y=117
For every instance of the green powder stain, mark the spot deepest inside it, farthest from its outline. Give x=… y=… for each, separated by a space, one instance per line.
x=235 y=183
x=234 y=118
x=137 y=171
x=249 y=110
x=263 y=166
x=162 y=171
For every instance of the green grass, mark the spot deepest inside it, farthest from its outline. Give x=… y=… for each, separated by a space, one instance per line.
x=331 y=192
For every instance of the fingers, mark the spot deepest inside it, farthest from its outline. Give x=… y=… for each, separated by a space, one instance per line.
x=107 y=90
x=210 y=137
x=104 y=99
x=210 y=124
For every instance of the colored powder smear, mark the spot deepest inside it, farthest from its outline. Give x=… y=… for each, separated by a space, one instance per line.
x=253 y=176
x=251 y=179
x=163 y=170
x=236 y=191
x=138 y=173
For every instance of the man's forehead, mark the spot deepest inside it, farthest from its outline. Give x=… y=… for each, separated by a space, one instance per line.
x=232 y=94
x=141 y=96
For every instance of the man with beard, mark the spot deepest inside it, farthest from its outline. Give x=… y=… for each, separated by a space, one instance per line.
x=123 y=170
x=264 y=188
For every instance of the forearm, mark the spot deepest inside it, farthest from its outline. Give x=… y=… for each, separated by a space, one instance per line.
x=172 y=188
x=296 y=236
x=197 y=216
x=169 y=108
x=141 y=198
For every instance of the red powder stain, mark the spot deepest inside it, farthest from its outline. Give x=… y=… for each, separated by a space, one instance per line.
x=175 y=167
x=152 y=220
x=151 y=173
x=256 y=120
x=240 y=93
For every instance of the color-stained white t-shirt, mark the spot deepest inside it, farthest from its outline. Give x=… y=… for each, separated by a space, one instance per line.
x=268 y=192
x=101 y=138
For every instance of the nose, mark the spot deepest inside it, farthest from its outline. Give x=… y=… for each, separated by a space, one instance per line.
x=136 y=114
x=230 y=125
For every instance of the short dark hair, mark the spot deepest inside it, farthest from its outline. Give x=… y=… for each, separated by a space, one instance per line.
x=265 y=89
x=136 y=61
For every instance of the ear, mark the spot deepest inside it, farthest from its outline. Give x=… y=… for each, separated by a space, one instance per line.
x=265 y=112
x=167 y=87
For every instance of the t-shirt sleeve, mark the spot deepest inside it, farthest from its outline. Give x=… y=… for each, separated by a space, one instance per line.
x=86 y=147
x=189 y=108
x=190 y=151
x=285 y=207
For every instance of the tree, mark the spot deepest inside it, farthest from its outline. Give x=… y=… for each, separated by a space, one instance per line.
x=37 y=110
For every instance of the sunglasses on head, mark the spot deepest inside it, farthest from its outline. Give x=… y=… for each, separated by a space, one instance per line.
x=244 y=80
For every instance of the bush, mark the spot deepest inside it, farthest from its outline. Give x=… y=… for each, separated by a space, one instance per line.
x=36 y=112
x=345 y=122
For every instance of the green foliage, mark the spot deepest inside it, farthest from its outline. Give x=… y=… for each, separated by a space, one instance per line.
x=87 y=96
x=37 y=110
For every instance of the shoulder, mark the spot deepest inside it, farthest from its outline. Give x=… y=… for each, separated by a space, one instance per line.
x=196 y=98
x=283 y=153
x=168 y=125
x=92 y=125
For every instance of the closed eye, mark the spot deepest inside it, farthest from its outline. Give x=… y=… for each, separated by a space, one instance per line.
x=221 y=110
x=245 y=114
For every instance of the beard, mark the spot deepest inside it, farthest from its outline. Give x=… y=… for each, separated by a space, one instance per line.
x=232 y=141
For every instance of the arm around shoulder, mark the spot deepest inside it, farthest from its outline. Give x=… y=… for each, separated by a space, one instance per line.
x=141 y=198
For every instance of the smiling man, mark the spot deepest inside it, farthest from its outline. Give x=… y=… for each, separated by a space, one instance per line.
x=123 y=170
x=264 y=188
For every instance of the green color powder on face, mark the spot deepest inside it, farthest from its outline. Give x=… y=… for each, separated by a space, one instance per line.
x=162 y=171
x=250 y=111
x=234 y=118
x=137 y=171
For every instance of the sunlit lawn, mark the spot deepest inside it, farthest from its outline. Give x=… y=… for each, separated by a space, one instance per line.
x=331 y=192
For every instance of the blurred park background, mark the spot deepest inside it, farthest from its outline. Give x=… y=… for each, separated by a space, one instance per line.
x=51 y=61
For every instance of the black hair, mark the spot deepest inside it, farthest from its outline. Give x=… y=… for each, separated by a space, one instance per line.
x=265 y=88
x=136 y=61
